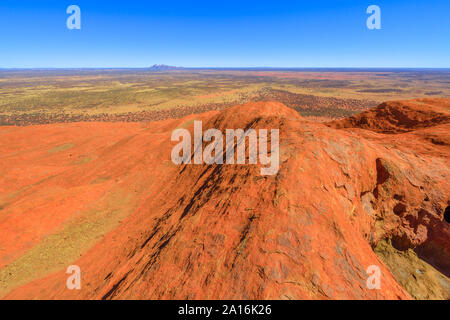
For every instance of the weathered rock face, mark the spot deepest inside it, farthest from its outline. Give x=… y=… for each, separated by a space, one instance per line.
x=414 y=190
x=107 y=197
x=400 y=116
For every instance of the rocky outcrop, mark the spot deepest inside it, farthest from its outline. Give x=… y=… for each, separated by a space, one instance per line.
x=106 y=197
x=400 y=116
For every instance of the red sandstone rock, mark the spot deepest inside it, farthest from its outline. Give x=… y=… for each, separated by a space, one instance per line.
x=106 y=197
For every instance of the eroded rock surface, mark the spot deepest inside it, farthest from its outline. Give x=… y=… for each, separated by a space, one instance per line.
x=107 y=197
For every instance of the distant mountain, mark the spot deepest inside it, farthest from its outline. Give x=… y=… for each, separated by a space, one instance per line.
x=163 y=67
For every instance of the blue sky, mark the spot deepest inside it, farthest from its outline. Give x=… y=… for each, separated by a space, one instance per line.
x=216 y=33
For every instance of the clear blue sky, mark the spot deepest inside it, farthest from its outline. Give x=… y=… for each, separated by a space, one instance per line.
x=228 y=33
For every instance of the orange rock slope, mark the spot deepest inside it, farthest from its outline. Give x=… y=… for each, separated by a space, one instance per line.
x=107 y=198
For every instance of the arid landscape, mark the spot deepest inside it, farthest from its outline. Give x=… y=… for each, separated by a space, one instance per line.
x=49 y=96
x=86 y=179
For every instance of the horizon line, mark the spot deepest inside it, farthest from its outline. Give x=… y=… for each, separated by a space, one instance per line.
x=174 y=68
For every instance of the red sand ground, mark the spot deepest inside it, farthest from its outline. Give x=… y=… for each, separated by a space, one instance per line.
x=106 y=197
